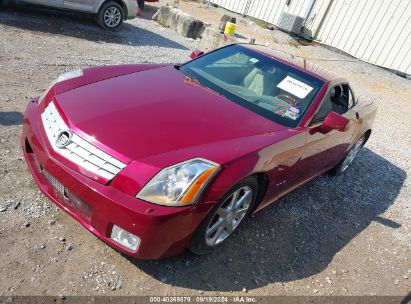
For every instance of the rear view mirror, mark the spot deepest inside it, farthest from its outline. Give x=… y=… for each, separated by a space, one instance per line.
x=196 y=53
x=334 y=121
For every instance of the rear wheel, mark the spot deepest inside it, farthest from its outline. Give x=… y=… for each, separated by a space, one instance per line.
x=349 y=158
x=225 y=217
x=110 y=16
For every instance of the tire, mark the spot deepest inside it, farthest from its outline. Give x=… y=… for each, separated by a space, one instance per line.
x=110 y=16
x=349 y=158
x=141 y=3
x=205 y=238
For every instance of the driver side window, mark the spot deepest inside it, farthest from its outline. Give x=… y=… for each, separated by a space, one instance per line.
x=337 y=100
x=348 y=95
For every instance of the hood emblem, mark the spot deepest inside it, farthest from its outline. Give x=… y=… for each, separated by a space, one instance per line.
x=63 y=139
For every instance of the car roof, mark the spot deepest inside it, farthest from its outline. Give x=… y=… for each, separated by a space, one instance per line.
x=299 y=62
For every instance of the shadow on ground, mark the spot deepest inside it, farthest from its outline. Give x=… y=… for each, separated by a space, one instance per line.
x=11 y=118
x=83 y=26
x=294 y=238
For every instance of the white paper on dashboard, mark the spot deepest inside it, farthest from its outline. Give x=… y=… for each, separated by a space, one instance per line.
x=295 y=87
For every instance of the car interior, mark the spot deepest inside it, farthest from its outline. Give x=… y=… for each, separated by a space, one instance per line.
x=256 y=82
x=337 y=100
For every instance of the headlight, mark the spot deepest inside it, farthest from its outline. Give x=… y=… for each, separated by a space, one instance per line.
x=62 y=77
x=180 y=184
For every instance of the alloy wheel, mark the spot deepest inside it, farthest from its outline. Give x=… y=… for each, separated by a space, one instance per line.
x=112 y=17
x=230 y=214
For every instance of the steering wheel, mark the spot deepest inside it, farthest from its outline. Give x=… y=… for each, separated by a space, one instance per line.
x=290 y=100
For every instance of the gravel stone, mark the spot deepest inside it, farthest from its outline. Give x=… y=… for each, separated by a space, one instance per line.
x=101 y=276
x=119 y=285
x=327 y=279
x=51 y=222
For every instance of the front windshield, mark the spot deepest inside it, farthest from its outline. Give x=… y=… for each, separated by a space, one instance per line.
x=260 y=83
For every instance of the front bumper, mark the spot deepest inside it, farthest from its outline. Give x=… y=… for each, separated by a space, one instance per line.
x=164 y=231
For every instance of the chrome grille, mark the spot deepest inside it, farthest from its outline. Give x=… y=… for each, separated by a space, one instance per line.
x=79 y=151
x=56 y=184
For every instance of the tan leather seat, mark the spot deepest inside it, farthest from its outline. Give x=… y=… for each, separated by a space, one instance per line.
x=257 y=81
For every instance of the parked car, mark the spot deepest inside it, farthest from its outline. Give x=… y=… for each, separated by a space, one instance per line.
x=155 y=158
x=109 y=14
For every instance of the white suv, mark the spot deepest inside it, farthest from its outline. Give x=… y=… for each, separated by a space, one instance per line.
x=109 y=13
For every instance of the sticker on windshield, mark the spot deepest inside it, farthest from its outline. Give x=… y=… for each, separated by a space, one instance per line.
x=292 y=112
x=254 y=60
x=295 y=87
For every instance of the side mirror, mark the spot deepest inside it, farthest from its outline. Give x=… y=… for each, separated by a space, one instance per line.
x=196 y=53
x=334 y=121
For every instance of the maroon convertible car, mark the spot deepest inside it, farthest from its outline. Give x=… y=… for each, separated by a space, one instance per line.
x=157 y=158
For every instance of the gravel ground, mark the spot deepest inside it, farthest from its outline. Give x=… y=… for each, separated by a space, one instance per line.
x=346 y=235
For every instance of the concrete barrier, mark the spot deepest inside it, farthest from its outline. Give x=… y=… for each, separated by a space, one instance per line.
x=212 y=39
x=184 y=24
x=188 y=26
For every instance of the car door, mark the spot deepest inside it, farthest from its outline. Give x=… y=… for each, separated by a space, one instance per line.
x=53 y=3
x=82 y=5
x=325 y=150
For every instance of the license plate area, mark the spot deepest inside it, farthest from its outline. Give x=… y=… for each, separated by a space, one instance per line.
x=72 y=200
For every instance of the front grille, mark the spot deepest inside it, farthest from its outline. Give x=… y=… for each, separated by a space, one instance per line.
x=79 y=151
x=82 y=207
x=56 y=184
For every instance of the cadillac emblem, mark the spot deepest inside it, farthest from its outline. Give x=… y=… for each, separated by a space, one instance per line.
x=63 y=139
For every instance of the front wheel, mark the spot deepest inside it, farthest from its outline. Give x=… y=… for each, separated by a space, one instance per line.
x=349 y=158
x=110 y=16
x=225 y=217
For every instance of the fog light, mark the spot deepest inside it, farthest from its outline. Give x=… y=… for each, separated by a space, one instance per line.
x=124 y=238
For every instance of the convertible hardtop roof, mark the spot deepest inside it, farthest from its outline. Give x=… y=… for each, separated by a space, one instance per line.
x=299 y=62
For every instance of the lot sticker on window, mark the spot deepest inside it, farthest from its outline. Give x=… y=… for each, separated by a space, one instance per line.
x=292 y=112
x=294 y=87
x=254 y=60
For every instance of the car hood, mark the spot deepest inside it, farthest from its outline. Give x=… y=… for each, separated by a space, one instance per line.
x=156 y=111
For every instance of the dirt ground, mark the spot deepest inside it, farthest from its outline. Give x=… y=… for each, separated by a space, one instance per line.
x=348 y=235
